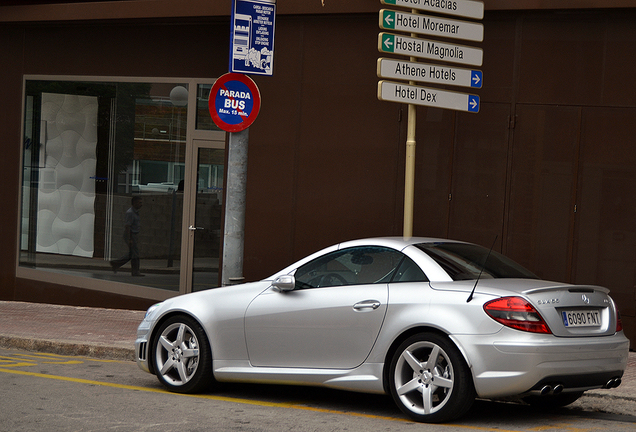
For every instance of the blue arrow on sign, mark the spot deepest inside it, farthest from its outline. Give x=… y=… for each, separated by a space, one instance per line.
x=473 y=103
x=476 y=78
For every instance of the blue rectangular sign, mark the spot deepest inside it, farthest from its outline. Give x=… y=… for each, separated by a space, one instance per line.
x=252 y=36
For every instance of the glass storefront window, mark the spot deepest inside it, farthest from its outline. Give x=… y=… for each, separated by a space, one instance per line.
x=91 y=150
x=204 y=120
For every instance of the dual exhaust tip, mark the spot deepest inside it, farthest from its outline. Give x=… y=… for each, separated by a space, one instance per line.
x=558 y=388
x=613 y=383
x=551 y=390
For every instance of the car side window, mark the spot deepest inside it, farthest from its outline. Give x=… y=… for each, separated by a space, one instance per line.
x=351 y=266
x=409 y=272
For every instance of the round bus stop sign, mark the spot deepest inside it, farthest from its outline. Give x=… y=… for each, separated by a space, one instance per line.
x=234 y=102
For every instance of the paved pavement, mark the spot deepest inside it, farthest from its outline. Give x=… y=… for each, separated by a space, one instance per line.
x=111 y=333
x=93 y=332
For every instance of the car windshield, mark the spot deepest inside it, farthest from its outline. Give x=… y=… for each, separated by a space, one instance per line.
x=463 y=261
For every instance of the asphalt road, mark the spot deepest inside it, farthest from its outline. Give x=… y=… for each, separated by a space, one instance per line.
x=59 y=393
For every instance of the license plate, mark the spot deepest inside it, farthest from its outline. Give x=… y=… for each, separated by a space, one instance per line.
x=581 y=318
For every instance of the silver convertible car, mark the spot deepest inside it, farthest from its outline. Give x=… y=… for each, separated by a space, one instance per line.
x=434 y=323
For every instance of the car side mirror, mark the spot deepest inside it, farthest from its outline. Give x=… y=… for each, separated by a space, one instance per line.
x=284 y=283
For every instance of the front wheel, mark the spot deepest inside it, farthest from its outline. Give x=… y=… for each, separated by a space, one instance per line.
x=429 y=379
x=182 y=357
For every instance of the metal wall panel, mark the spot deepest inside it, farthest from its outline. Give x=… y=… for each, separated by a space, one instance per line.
x=478 y=190
x=561 y=58
x=606 y=228
x=543 y=184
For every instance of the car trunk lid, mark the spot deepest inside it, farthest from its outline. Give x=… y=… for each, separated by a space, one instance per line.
x=569 y=310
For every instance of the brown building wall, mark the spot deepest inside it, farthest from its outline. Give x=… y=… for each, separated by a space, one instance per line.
x=547 y=166
x=10 y=140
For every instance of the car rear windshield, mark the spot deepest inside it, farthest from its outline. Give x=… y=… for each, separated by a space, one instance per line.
x=463 y=261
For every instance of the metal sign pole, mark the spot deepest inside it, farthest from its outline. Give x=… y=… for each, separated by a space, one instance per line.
x=236 y=187
x=409 y=172
x=409 y=169
x=234 y=103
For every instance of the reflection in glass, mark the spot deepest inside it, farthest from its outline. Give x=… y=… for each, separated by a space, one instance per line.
x=204 y=120
x=207 y=227
x=89 y=147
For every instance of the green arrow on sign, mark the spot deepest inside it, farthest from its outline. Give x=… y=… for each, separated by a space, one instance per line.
x=388 y=19
x=387 y=42
x=389 y=2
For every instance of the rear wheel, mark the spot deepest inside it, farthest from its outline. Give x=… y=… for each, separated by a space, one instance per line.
x=429 y=379
x=182 y=357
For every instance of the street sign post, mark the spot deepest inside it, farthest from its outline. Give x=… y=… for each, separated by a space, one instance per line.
x=461 y=8
x=234 y=102
x=252 y=36
x=429 y=73
x=432 y=26
x=412 y=71
x=432 y=97
x=429 y=49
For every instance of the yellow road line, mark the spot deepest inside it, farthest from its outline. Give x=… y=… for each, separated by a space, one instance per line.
x=49 y=356
x=19 y=364
x=68 y=362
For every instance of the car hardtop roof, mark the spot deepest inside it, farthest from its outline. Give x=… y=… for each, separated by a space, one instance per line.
x=395 y=242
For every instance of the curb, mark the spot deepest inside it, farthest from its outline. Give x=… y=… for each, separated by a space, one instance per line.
x=65 y=348
x=591 y=394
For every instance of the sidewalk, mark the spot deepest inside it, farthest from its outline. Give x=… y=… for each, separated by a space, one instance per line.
x=111 y=334
x=93 y=332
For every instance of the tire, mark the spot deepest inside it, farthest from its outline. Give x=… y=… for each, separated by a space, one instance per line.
x=182 y=356
x=553 y=401
x=430 y=380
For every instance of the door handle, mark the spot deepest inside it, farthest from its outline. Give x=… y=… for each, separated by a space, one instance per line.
x=367 y=304
x=193 y=228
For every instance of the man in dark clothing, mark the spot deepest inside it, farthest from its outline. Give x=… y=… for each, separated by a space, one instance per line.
x=132 y=226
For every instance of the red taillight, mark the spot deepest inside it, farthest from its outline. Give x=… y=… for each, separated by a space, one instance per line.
x=619 y=321
x=517 y=313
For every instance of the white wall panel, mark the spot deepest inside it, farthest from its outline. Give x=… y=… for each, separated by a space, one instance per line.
x=66 y=214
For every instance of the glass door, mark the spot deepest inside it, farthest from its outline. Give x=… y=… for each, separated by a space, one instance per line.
x=203 y=230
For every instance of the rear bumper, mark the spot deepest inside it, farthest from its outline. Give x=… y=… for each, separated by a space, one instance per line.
x=512 y=363
x=577 y=382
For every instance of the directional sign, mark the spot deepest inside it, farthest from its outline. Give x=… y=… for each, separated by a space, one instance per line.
x=461 y=8
x=429 y=73
x=429 y=49
x=416 y=95
x=234 y=102
x=433 y=26
x=252 y=36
